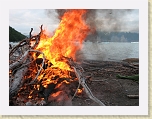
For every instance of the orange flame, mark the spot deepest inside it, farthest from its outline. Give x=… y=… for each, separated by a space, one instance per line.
x=65 y=42
x=79 y=91
x=67 y=39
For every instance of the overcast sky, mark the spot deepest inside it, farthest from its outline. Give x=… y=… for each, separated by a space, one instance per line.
x=106 y=20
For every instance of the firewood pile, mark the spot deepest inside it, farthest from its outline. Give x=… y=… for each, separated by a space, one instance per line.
x=31 y=82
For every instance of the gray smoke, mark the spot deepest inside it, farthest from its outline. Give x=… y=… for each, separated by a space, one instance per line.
x=112 y=19
x=60 y=12
x=99 y=19
x=89 y=17
x=106 y=20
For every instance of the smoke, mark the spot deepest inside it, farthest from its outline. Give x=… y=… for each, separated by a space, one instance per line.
x=60 y=12
x=112 y=20
x=107 y=51
x=90 y=20
x=106 y=20
x=109 y=20
x=103 y=20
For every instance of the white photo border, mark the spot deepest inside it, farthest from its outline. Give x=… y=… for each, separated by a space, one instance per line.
x=142 y=109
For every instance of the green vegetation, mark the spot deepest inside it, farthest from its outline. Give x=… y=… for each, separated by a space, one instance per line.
x=15 y=36
x=134 y=78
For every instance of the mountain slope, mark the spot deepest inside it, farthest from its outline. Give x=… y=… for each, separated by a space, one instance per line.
x=14 y=35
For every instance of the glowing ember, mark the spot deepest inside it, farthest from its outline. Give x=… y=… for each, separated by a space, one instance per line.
x=29 y=96
x=56 y=94
x=64 y=81
x=79 y=91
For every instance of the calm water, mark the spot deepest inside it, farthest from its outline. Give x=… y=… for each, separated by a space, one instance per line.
x=110 y=50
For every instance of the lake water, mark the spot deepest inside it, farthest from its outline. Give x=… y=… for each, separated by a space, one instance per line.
x=109 y=51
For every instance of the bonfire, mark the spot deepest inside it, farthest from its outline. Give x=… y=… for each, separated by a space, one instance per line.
x=46 y=69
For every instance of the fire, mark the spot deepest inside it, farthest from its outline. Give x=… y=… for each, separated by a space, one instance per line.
x=56 y=94
x=65 y=42
x=67 y=39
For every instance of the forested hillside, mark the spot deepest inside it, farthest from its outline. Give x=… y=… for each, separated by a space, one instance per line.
x=113 y=37
x=15 y=36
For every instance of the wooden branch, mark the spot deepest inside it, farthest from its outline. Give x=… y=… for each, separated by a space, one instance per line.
x=79 y=73
x=20 y=44
x=37 y=38
x=18 y=62
x=23 y=65
x=26 y=42
x=76 y=91
x=31 y=33
x=10 y=46
x=125 y=64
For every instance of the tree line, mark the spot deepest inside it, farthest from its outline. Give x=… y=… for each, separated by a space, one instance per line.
x=113 y=37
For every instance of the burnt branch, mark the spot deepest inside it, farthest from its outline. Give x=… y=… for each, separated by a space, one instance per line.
x=31 y=33
x=36 y=38
x=76 y=91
